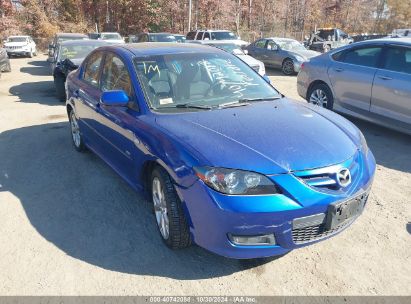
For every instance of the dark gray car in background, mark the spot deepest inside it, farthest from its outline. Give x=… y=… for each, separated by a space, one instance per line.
x=281 y=53
x=370 y=80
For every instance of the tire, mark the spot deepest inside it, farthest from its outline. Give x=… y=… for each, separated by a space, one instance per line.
x=321 y=95
x=168 y=207
x=35 y=52
x=75 y=133
x=288 y=67
x=30 y=54
x=60 y=89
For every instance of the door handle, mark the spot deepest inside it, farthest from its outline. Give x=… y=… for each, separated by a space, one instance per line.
x=339 y=69
x=385 y=77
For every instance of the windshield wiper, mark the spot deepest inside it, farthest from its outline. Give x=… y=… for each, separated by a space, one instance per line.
x=247 y=100
x=193 y=106
x=232 y=104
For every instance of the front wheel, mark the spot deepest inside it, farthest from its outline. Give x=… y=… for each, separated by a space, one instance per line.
x=321 y=95
x=288 y=67
x=30 y=54
x=169 y=213
x=75 y=133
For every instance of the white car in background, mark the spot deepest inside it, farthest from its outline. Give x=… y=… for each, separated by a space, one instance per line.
x=111 y=37
x=20 y=46
x=230 y=47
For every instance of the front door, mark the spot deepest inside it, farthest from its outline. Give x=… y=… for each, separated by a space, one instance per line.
x=352 y=74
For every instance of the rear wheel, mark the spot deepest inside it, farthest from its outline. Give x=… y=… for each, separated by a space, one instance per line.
x=321 y=95
x=168 y=210
x=288 y=67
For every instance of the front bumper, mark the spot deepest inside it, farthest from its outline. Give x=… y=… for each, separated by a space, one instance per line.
x=214 y=216
x=20 y=52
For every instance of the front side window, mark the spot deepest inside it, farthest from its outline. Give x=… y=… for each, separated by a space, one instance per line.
x=206 y=79
x=260 y=43
x=365 y=56
x=191 y=35
x=398 y=59
x=92 y=68
x=290 y=45
x=115 y=75
x=199 y=36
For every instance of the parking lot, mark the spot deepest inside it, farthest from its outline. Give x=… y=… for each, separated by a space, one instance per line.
x=70 y=226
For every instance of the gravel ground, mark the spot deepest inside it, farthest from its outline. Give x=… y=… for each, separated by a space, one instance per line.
x=70 y=226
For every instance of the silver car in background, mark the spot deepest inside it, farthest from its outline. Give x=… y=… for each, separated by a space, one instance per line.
x=281 y=53
x=370 y=80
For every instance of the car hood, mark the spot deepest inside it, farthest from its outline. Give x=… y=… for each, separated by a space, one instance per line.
x=15 y=44
x=250 y=60
x=268 y=137
x=305 y=53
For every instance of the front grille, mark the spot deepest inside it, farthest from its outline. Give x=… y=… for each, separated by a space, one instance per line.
x=14 y=47
x=317 y=232
x=325 y=178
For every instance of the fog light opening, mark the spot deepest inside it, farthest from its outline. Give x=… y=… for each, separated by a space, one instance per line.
x=252 y=240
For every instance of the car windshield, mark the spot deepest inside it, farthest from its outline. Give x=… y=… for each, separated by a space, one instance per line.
x=76 y=51
x=229 y=47
x=110 y=37
x=17 y=39
x=290 y=45
x=223 y=36
x=162 y=38
x=203 y=80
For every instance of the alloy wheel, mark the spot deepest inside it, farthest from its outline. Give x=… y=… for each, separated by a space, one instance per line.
x=319 y=98
x=75 y=130
x=160 y=208
x=288 y=67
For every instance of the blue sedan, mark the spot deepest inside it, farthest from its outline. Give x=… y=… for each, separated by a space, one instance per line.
x=229 y=163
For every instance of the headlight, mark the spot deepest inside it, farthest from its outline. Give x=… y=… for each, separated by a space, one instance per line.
x=364 y=145
x=230 y=181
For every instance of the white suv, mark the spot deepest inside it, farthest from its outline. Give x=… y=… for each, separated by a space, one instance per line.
x=20 y=45
x=199 y=36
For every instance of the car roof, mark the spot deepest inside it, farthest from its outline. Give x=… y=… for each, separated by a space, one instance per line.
x=163 y=48
x=401 y=40
x=71 y=35
x=85 y=42
x=280 y=38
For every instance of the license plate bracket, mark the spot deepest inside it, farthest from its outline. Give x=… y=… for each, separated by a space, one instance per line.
x=341 y=212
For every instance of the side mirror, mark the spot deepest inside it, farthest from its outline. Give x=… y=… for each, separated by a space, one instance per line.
x=267 y=79
x=116 y=98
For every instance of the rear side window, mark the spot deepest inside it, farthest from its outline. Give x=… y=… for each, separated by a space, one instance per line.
x=398 y=59
x=115 y=75
x=92 y=68
x=363 y=57
x=143 y=38
x=207 y=35
x=191 y=35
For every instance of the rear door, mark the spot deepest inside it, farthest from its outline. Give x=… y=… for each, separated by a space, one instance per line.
x=391 y=93
x=352 y=73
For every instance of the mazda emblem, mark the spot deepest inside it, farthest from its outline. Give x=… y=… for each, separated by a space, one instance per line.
x=344 y=177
